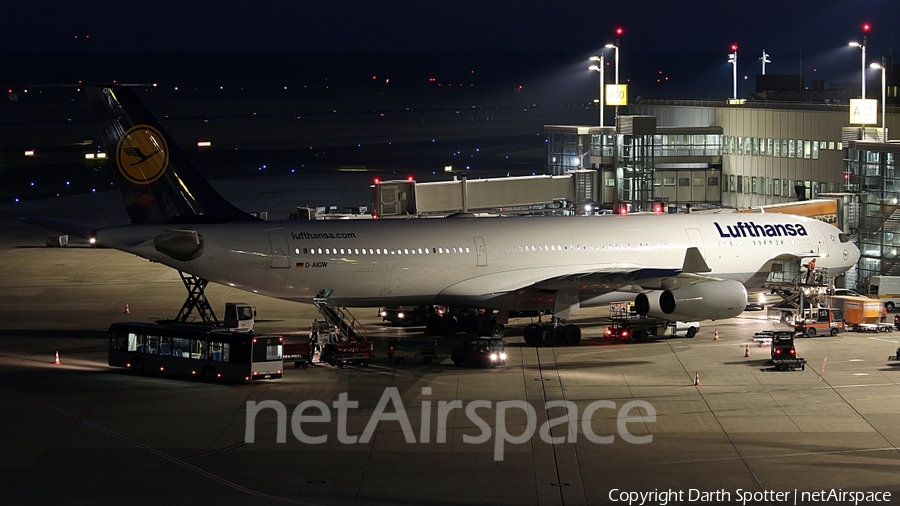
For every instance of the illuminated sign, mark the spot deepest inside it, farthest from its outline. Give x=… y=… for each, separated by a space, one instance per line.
x=616 y=94
x=863 y=112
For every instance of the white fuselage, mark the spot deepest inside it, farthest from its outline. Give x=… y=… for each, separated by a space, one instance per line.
x=481 y=261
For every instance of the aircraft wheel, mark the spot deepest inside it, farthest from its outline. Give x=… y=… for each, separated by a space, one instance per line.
x=811 y=332
x=532 y=335
x=449 y=324
x=572 y=334
x=548 y=336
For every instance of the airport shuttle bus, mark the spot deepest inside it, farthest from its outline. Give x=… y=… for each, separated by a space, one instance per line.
x=194 y=350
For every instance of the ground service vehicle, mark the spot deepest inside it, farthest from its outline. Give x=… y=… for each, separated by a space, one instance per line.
x=784 y=354
x=895 y=356
x=862 y=313
x=336 y=348
x=483 y=352
x=626 y=324
x=239 y=316
x=195 y=350
x=756 y=301
x=301 y=353
x=820 y=321
x=886 y=289
x=347 y=352
x=402 y=350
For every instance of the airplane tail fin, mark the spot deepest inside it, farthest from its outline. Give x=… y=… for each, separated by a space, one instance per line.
x=158 y=182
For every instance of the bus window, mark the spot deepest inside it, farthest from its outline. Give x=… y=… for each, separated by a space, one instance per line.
x=121 y=341
x=181 y=347
x=266 y=349
x=198 y=349
x=218 y=352
x=165 y=345
x=152 y=344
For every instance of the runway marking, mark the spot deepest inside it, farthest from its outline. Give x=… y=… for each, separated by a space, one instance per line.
x=158 y=453
x=892 y=341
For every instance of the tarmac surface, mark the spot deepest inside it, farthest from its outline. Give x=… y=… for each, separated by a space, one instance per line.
x=84 y=433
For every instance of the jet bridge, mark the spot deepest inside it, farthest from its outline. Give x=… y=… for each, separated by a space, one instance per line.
x=571 y=192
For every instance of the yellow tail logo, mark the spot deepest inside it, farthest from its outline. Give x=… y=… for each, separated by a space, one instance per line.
x=142 y=155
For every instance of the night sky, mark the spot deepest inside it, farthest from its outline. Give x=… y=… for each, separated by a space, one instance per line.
x=782 y=27
x=808 y=37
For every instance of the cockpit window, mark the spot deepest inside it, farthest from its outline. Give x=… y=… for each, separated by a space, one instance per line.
x=843 y=238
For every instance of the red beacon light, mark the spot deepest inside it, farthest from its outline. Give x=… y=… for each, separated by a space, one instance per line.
x=619 y=31
x=377 y=181
x=410 y=178
x=734 y=47
x=866 y=27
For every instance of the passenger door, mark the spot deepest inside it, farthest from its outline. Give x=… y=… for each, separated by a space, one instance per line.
x=481 y=252
x=281 y=258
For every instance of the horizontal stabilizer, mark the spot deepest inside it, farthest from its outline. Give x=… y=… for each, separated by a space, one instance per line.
x=63 y=227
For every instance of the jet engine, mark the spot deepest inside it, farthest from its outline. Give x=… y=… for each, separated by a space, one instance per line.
x=712 y=300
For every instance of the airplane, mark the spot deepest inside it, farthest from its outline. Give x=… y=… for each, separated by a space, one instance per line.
x=678 y=267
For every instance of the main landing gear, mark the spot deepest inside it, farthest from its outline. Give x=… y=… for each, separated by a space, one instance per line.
x=551 y=334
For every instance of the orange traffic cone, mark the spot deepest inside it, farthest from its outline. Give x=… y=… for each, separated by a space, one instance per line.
x=697 y=379
x=717 y=335
x=56 y=362
x=747 y=352
x=127 y=311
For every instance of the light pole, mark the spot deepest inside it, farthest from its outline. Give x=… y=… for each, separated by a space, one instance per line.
x=883 y=68
x=732 y=59
x=865 y=29
x=600 y=90
x=765 y=59
x=616 y=47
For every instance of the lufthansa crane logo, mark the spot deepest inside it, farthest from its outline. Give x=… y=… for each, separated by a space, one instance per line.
x=142 y=154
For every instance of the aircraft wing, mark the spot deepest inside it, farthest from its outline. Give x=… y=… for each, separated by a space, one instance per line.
x=631 y=278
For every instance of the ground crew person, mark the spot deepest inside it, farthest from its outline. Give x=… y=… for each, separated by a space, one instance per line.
x=810 y=268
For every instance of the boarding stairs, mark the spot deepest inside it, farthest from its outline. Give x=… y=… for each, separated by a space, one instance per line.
x=338 y=316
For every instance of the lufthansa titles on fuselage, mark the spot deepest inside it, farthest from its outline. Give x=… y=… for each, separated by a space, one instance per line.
x=323 y=235
x=750 y=229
